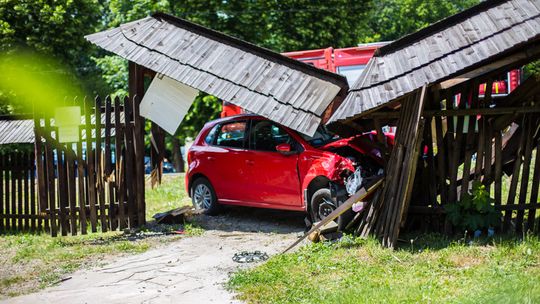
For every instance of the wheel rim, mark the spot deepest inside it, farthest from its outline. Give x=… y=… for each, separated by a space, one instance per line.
x=202 y=197
x=325 y=208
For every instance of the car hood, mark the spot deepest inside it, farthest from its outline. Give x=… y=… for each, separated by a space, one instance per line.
x=365 y=144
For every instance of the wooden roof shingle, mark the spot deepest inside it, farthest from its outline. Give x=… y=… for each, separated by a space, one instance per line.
x=290 y=92
x=441 y=51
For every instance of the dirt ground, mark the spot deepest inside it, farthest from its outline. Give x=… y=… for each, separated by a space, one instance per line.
x=190 y=270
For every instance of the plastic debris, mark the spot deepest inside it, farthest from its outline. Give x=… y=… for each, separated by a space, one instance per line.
x=354 y=181
x=250 y=256
x=357 y=207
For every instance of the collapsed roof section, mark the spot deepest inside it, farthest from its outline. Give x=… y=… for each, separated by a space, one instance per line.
x=292 y=93
x=449 y=48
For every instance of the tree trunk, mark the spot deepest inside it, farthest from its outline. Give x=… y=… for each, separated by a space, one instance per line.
x=178 y=161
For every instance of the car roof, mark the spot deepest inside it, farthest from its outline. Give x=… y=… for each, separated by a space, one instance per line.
x=235 y=117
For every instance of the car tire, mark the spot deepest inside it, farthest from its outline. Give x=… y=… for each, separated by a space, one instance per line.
x=318 y=198
x=322 y=198
x=204 y=197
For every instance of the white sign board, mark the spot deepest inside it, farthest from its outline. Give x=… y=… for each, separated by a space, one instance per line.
x=68 y=119
x=166 y=102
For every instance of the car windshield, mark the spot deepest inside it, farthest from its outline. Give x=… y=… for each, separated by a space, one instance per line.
x=321 y=137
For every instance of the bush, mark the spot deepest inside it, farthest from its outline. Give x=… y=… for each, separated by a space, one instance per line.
x=475 y=211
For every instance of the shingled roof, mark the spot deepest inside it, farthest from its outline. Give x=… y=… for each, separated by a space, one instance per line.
x=444 y=50
x=290 y=92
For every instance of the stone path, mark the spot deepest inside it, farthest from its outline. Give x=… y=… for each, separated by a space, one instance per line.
x=190 y=270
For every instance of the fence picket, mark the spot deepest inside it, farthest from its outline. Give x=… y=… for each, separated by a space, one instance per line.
x=129 y=163
x=2 y=178
x=90 y=171
x=25 y=191
x=119 y=178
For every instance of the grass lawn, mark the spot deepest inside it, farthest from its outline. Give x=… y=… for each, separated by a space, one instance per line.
x=29 y=262
x=431 y=270
x=169 y=195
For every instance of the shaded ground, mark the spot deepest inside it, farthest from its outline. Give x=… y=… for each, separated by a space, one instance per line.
x=188 y=270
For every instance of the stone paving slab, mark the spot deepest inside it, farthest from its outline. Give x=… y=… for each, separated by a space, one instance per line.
x=190 y=270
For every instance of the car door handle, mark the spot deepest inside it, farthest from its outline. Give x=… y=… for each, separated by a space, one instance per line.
x=211 y=158
x=250 y=162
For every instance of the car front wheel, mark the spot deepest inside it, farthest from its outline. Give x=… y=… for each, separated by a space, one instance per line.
x=322 y=205
x=204 y=197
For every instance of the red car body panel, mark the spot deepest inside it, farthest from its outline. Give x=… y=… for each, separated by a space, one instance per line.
x=266 y=179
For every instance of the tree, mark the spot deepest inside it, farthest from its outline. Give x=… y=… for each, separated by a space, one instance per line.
x=392 y=19
x=54 y=29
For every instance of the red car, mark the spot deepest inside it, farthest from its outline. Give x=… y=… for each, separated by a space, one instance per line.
x=248 y=160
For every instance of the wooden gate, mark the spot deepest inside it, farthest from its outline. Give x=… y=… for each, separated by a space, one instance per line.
x=95 y=182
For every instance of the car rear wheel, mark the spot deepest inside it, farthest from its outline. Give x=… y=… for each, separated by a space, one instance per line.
x=322 y=205
x=204 y=197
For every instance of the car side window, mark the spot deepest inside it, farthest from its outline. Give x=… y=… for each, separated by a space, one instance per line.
x=210 y=138
x=231 y=135
x=266 y=135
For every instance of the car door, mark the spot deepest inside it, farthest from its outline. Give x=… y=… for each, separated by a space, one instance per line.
x=273 y=176
x=225 y=162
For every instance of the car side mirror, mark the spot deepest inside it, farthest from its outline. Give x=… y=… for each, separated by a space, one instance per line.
x=284 y=149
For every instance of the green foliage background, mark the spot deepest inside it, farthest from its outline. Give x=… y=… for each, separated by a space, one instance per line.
x=57 y=29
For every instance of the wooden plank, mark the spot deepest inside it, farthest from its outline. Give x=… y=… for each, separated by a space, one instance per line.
x=515 y=176
x=509 y=111
x=51 y=189
x=488 y=156
x=108 y=165
x=480 y=149
x=534 y=189
x=2 y=178
x=15 y=225
x=441 y=160
x=26 y=188
x=90 y=171
x=72 y=188
x=119 y=178
x=358 y=196
x=472 y=94
x=40 y=167
x=138 y=142
x=62 y=190
x=498 y=167
x=525 y=174
x=81 y=176
x=455 y=155
x=100 y=195
x=36 y=224
x=7 y=191
x=20 y=197
x=130 y=163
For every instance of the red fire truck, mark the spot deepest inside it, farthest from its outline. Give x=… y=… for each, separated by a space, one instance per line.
x=350 y=62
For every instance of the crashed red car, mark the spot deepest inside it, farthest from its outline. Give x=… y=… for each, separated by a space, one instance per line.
x=248 y=160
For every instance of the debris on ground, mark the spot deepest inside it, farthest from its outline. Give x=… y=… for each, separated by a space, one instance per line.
x=250 y=256
x=328 y=228
x=175 y=216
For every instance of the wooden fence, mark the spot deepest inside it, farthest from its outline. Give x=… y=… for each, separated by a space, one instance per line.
x=18 y=203
x=93 y=183
x=494 y=141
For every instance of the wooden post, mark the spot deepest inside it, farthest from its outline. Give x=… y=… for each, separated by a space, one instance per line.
x=129 y=163
x=138 y=146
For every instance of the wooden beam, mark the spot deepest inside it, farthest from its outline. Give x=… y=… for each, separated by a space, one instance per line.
x=463 y=112
x=358 y=196
x=510 y=62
